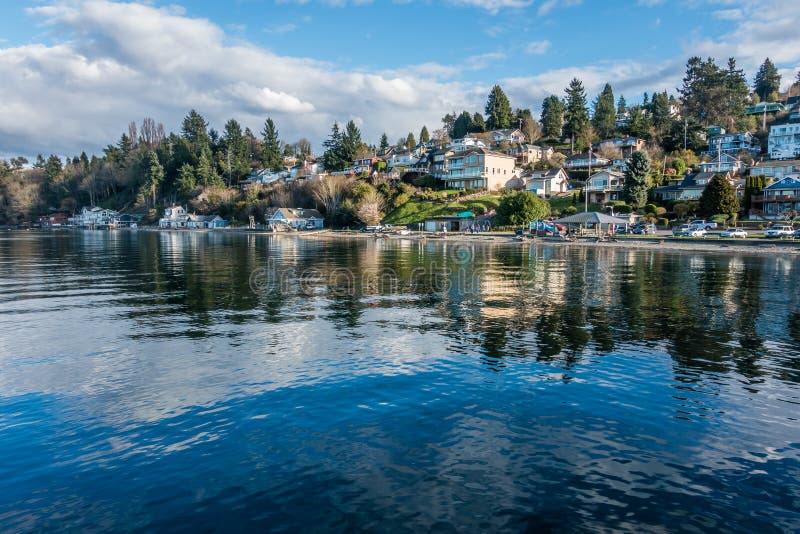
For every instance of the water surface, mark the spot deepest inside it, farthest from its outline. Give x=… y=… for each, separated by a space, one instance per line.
x=203 y=381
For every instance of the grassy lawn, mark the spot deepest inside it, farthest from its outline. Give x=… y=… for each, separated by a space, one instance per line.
x=415 y=211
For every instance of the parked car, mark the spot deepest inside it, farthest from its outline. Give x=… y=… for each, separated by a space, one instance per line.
x=779 y=231
x=796 y=234
x=734 y=233
x=682 y=230
x=403 y=231
x=644 y=229
x=702 y=223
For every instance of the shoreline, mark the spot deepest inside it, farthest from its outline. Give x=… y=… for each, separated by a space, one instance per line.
x=760 y=246
x=711 y=245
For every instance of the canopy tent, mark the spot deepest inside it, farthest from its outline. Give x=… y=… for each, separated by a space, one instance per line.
x=593 y=218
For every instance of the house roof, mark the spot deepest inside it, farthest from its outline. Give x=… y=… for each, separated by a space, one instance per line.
x=787 y=183
x=548 y=174
x=723 y=158
x=585 y=155
x=297 y=213
x=608 y=171
x=482 y=150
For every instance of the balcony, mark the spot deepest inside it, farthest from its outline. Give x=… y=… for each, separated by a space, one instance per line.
x=777 y=198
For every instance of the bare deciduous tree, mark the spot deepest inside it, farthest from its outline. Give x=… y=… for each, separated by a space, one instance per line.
x=329 y=192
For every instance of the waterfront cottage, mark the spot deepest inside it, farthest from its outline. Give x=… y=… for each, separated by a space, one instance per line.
x=208 y=222
x=175 y=217
x=94 y=217
x=297 y=218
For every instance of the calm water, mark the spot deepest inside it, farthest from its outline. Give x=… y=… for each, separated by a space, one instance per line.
x=208 y=382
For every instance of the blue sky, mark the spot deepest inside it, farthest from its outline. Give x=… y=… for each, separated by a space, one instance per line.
x=80 y=70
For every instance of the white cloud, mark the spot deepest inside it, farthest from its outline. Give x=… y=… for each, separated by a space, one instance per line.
x=548 y=5
x=493 y=6
x=282 y=28
x=117 y=62
x=649 y=3
x=538 y=47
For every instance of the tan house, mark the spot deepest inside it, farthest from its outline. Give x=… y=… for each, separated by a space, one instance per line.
x=479 y=168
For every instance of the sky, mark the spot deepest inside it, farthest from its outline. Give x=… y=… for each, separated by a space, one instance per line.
x=76 y=72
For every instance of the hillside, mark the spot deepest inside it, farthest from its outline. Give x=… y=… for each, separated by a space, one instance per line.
x=415 y=211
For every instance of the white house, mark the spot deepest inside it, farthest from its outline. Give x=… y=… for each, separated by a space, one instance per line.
x=296 y=218
x=93 y=216
x=512 y=135
x=174 y=217
x=777 y=170
x=404 y=158
x=784 y=141
x=547 y=183
x=581 y=161
x=723 y=163
x=460 y=145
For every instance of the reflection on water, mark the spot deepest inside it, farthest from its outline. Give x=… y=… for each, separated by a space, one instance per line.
x=185 y=380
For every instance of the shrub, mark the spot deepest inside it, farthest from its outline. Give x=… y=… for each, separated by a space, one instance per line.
x=623 y=208
x=650 y=208
x=662 y=221
x=570 y=210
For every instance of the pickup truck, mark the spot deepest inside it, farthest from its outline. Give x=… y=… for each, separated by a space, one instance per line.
x=705 y=225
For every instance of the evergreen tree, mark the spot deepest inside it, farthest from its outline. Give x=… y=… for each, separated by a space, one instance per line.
x=462 y=125
x=205 y=171
x=703 y=91
x=719 y=197
x=736 y=93
x=271 y=147
x=333 y=146
x=638 y=123
x=552 y=117
x=604 y=117
x=411 y=143
x=659 y=113
x=622 y=106
x=637 y=182
x=351 y=143
x=194 y=130
x=235 y=151
x=498 y=110
x=767 y=80
x=186 y=179
x=478 y=124
x=576 y=117
x=153 y=176
x=424 y=136
x=384 y=142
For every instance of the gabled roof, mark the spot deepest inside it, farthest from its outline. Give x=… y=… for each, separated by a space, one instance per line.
x=787 y=183
x=481 y=150
x=612 y=172
x=549 y=174
x=296 y=213
x=723 y=158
